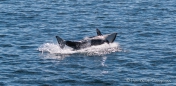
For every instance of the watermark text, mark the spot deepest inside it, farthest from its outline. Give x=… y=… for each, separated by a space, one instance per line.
x=133 y=80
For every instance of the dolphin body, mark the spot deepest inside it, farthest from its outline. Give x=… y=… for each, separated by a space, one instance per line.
x=88 y=42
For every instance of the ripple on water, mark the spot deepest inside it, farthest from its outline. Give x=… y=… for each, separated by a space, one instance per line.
x=6 y=45
x=26 y=71
x=10 y=55
x=3 y=35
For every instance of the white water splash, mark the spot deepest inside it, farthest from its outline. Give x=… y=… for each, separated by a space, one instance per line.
x=93 y=50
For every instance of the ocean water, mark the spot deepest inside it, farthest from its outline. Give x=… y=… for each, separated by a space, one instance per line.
x=143 y=54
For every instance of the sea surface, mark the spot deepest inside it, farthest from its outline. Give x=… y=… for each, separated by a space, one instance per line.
x=143 y=54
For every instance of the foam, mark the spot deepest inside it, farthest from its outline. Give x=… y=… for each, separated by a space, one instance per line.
x=93 y=50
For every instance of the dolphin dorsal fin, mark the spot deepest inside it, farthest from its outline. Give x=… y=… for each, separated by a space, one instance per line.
x=60 y=41
x=98 y=32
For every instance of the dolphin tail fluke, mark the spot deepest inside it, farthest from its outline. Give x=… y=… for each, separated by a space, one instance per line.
x=60 y=41
x=98 y=32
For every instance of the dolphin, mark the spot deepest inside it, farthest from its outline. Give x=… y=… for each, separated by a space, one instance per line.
x=88 y=42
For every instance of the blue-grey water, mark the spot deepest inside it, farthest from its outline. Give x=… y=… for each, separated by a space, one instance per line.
x=143 y=54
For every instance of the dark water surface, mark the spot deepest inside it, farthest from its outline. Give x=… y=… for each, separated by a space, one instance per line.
x=145 y=48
